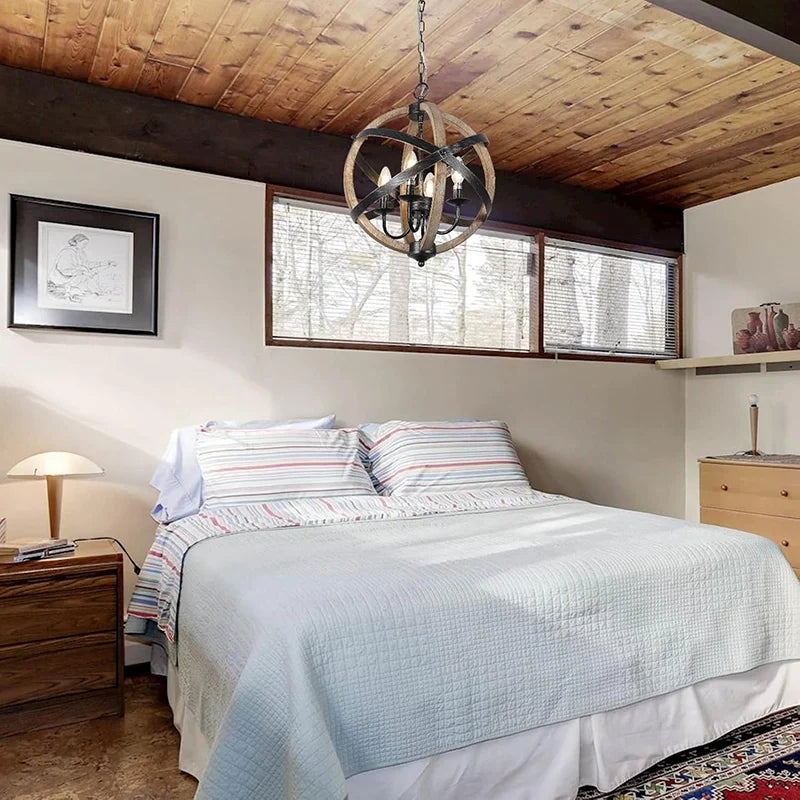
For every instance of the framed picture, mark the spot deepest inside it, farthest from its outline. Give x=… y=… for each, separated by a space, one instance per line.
x=83 y=268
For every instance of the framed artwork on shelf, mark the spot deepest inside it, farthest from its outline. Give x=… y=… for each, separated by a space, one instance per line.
x=83 y=268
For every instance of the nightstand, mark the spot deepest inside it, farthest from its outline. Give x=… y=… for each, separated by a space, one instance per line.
x=755 y=495
x=61 y=642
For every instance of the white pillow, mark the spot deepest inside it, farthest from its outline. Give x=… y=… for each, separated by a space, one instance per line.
x=304 y=423
x=178 y=477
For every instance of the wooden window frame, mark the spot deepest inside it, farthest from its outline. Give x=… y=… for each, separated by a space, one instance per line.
x=537 y=235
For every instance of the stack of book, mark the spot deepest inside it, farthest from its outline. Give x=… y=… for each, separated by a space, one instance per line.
x=19 y=550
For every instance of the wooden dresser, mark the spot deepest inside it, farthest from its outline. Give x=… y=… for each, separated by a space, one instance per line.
x=61 y=642
x=760 y=497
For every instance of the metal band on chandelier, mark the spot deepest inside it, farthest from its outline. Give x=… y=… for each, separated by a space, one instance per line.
x=417 y=194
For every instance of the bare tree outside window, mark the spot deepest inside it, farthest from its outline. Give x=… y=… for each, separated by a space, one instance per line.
x=332 y=283
x=598 y=300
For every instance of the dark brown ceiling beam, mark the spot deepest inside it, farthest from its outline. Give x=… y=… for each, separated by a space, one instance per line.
x=770 y=25
x=46 y=110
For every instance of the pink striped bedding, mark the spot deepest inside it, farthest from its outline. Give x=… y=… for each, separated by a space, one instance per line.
x=266 y=465
x=424 y=457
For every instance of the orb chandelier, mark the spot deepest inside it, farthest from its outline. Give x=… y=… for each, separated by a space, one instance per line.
x=431 y=178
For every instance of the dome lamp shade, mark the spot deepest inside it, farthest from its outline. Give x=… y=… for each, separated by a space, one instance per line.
x=54 y=467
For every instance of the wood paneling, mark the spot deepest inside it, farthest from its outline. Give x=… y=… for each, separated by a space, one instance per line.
x=240 y=30
x=71 y=36
x=125 y=39
x=186 y=27
x=22 y=27
x=772 y=26
x=316 y=77
x=159 y=79
x=609 y=94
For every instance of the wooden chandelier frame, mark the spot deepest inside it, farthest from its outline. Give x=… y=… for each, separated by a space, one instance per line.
x=440 y=157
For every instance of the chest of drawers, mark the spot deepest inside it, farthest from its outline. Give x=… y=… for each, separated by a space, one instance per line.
x=753 y=496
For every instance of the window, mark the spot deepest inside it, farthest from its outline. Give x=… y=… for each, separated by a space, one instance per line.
x=608 y=302
x=330 y=284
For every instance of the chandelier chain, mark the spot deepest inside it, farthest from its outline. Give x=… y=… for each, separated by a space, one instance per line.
x=421 y=88
x=429 y=188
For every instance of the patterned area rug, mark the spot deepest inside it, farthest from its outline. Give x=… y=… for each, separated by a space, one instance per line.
x=760 y=761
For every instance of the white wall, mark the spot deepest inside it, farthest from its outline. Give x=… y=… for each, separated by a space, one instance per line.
x=612 y=433
x=740 y=251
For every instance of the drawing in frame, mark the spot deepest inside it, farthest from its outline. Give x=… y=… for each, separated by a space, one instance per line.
x=83 y=268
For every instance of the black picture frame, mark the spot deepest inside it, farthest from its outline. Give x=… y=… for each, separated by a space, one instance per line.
x=123 y=291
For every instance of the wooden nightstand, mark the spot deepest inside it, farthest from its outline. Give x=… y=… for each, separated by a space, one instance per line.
x=61 y=642
x=760 y=497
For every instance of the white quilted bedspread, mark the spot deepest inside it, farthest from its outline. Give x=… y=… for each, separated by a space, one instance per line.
x=312 y=654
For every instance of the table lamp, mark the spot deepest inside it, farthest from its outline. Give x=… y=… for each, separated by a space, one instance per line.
x=54 y=467
x=753 y=399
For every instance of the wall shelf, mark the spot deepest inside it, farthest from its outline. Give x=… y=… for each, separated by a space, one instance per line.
x=728 y=365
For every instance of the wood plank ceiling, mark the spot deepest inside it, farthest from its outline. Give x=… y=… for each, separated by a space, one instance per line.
x=610 y=94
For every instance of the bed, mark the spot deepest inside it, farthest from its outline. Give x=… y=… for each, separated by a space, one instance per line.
x=475 y=643
x=311 y=658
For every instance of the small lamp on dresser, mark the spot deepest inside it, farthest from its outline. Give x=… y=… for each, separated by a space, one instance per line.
x=753 y=451
x=54 y=467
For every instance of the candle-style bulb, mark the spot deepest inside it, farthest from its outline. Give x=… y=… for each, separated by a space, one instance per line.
x=754 y=400
x=457 y=177
x=384 y=177
x=428 y=185
x=409 y=160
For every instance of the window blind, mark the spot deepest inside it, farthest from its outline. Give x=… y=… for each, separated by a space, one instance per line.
x=608 y=302
x=331 y=282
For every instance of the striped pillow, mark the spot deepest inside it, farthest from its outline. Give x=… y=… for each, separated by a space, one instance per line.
x=257 y=466
x=426 y=457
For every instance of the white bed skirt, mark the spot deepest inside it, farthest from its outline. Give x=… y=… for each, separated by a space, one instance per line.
x=552 y=762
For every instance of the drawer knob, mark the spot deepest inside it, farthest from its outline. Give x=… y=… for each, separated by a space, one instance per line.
x=784 y=543
x=724 y=487
x=784 y=493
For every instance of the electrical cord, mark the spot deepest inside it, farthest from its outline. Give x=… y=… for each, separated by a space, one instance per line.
x=136 y=568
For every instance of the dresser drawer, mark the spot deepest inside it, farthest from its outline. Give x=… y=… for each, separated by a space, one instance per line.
x=784 y=532
x=757 y=490
x=34 y=610
x=41 y=670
